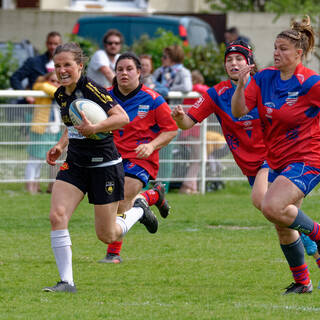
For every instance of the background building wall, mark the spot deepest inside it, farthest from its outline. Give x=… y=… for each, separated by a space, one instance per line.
x=16 y=25
x=262 y=29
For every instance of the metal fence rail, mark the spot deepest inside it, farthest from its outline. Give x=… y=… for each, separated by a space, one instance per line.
x=195 y=150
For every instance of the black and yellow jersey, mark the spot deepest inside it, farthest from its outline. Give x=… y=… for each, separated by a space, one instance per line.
x=81 y=150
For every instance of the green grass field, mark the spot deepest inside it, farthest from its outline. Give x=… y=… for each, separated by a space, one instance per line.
x=215 y=257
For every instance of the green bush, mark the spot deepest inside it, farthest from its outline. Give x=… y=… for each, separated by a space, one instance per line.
x=8 y=64
x=88 y=47
x=208 y=60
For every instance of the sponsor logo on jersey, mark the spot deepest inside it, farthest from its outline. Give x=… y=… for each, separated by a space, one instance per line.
x=64 y=166
x=292 y=98
x=246 y=117
x=269 y=111
x=222 y=90
x=300 y=77
x=143 y=110
x=233 y=142
x=74 y=134
x=198 y=103
x=109 y=187
x=97 y=159
x=270 y=105
x=247 y=124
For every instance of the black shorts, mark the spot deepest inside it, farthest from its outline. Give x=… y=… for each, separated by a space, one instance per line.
x=103 y=185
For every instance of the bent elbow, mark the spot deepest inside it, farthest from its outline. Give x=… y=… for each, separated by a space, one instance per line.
x=236 y=114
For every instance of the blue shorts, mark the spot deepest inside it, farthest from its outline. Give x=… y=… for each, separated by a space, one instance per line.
x=303 y=176
x=251 y=179
x=134 y=171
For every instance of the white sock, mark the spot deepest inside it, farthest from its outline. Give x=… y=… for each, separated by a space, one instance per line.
x=61 y=246
x=131 y=217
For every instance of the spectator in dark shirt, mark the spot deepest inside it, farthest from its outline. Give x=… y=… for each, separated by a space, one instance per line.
x=36 y=66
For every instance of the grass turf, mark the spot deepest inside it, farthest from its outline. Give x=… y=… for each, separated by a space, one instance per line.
x=214 y=257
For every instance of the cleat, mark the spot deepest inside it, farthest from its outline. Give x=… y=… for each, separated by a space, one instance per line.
x=309 y=245
x=162 y=204
x=148 y=218
x=61 y=286
x=295 y=287
x=111 y=258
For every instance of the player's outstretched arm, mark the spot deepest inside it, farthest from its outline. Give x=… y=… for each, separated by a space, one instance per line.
x=238 y=103
x=55 y=152
x=183 y=121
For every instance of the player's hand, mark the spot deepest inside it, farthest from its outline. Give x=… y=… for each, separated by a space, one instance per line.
x=177 y=113
x=243 y=75
x=144 y=150
x=53 y=154
x=86 y=128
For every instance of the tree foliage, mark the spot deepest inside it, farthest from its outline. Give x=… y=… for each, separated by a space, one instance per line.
x=8 y=64
x=310 y=7
x=208 y=60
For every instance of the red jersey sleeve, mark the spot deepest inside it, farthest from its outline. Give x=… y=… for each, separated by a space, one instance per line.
x=251 y=94
x=203 y=107
x=164 y=119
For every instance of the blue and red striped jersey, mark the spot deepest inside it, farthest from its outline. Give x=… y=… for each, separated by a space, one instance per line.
x=243 y=135
x=149 y=116
x=289 y=111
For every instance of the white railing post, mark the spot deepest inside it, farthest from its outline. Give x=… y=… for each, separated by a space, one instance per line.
x=203 y=137
x=15 y=140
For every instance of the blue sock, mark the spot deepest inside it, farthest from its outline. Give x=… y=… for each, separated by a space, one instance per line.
x=302 y=223
x=294 y=253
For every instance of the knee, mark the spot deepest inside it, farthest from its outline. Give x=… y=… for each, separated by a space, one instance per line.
x=58 y=216
x=256 y=201
x=271 y=211
x=107 y=237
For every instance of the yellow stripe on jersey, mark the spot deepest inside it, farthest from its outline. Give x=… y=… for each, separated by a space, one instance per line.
x=103 y=97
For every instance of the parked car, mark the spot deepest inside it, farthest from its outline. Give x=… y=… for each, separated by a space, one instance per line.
x=21 y=50
x=192 y=30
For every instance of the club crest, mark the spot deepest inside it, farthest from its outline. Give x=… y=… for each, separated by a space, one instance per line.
x=109 y=187
x=143 y=111
x=292 y=98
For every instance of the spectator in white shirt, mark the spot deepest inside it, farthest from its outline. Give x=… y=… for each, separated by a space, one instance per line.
x=102 y=63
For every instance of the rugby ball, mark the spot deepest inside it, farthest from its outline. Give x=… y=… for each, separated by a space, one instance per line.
x=92 y=111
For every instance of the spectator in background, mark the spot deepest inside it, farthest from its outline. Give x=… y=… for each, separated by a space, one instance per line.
x=36 y=66
x=198 y=85
x=150 y=129
x=48 y=112
x=193 y=135
x=232 y=34
x=172 y=73
x=147 y=77
x=102 y=64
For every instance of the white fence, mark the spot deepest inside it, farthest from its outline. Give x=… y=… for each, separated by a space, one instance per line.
x=197 y=154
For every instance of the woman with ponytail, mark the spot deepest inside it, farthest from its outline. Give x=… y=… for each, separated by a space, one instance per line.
x=288 y=99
